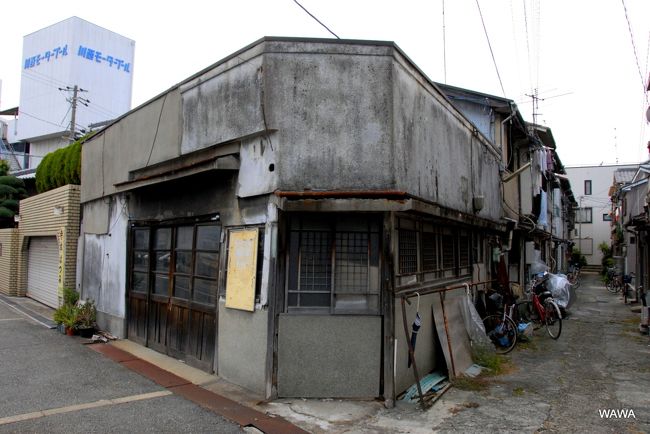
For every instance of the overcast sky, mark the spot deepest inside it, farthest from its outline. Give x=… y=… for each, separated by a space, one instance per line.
x=577 y=53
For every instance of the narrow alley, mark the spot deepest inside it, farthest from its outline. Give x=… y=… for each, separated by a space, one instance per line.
x=599 y=363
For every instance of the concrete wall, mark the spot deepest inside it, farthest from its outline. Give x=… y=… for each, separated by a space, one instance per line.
x=362 y=111
x=329 y=356
x=9 y=256
x=104 y=262
x=241 y=351
x=148 y=135
x=37 y=218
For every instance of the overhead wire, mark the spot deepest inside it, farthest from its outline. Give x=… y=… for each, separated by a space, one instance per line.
x=317 y=20
x=636 y=56
x=530 y=68
x=444 y=41
x=490 y=46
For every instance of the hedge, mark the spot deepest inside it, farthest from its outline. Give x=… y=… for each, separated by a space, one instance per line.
x=59 y=168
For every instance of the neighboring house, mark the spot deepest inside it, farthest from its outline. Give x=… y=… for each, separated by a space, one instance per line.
x=538 y=233
x=630 y=230
x=258 y=219
x=74 y=74
x=591 y=186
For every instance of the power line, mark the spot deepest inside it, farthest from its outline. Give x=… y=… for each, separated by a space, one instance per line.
x=317 y=20
x=636 y=56
x=490 y=45
x=39 y=119
x=444 y=42
x=530 y=68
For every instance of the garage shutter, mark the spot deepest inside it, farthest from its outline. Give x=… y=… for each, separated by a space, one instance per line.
x=42 y=270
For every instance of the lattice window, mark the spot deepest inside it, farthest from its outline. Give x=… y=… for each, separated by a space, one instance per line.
x=333 y=266
x=408 y=251
x=351 y=262
x=448 y=252
x=463 y=250
x=430 y=251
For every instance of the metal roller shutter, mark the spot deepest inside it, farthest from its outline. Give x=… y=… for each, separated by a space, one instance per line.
x=42 y=270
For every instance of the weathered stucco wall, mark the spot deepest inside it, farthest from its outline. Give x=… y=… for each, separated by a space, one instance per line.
x=104 y=265
x=444 y=161
x=331 y=104
x=329 y=356
x=148 y=135
x=9 y=256
x=242 y=361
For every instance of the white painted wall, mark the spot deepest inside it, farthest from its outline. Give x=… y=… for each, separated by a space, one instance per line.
x=52 y=59
x=602 y=177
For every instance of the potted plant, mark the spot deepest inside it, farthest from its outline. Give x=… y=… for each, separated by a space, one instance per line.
x=86 y=318
x=69 y=317
x=65 y=315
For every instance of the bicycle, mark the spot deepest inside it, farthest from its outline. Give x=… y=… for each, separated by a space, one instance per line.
x=613 y=280
x=502 y=330
x=629 y=289
x=546 y=309
x=573 y=276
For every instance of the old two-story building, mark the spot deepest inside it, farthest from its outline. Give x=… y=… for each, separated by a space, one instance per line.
x=538 y=202
x=630 y=230
x=262 y=218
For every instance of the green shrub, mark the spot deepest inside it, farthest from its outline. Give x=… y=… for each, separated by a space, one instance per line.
x=70 y=296
x=578 y=258
x=4 y=167
x=60 y=168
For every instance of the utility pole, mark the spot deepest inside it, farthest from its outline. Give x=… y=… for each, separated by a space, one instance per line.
x=76 y=99
x=536 y=99
x=73 y=114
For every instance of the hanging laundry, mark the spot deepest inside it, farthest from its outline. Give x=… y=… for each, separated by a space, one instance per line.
x=543 y=210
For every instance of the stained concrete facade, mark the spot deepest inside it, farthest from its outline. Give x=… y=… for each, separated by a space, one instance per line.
x=280 y=128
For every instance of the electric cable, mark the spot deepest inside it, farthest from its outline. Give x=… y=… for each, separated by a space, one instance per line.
x=490 y=46
x=636 y=56
x=317 y=20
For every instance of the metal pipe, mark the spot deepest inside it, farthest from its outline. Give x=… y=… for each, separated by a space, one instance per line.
x=444 y=316
x=342 y=194
x=426 y=290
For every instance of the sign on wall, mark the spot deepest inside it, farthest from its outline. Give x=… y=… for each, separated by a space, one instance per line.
x=60 y=238
x=242 y=267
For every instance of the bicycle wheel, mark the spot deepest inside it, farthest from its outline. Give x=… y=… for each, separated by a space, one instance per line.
x=553 y=319
x=502 y=333
x=610 y=285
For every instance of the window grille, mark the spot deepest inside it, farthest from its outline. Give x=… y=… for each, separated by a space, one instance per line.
x=408 y=251
x=429 y=251
x=334 y=270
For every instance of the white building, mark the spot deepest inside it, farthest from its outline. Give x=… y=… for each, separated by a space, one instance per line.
x=71 y=67
x=590 y=185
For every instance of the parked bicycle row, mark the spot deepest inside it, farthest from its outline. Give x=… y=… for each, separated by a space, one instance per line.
x=617 y=282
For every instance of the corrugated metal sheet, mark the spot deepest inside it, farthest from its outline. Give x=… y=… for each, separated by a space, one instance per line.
x=42 y=270
x=624 y=175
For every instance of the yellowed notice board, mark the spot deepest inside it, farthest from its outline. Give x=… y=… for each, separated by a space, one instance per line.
x=242 y=267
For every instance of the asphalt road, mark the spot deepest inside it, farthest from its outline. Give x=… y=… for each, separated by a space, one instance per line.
x=58 y=385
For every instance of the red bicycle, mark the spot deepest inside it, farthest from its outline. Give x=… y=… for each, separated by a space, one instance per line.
x=545 y=311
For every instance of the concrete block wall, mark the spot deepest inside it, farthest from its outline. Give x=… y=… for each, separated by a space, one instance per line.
x=38 y=218
x=9 y=261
